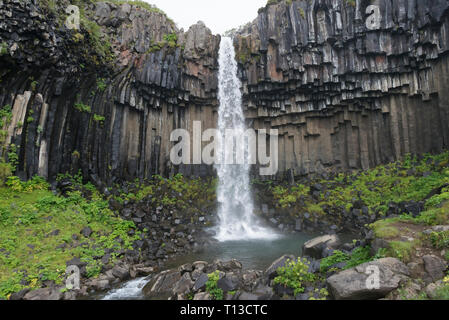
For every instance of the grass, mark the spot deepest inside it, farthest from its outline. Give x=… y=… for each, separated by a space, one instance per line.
x=36 y=229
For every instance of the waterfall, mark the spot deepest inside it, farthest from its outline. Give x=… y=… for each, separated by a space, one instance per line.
x=236 y=210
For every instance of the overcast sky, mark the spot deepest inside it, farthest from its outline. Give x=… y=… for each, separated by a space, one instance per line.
x=218 y=15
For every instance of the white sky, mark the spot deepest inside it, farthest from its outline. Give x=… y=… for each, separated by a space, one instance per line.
x=218 y=15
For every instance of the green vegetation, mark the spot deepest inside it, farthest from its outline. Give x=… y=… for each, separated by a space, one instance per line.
x=351 y=3
x=5 y=121
x=358 y=256
x=410 y=179
x=143 y=5
x=3 y=48
x=440 y=240
x=6 y=171
x=101 y=84
x=178 y=192
x=212 y=287
x=169 y=40
x=295 y=275
x=98 y=118
x=37 y=231
x=82 y=107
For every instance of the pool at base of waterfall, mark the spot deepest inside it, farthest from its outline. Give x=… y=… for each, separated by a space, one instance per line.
x=253 y=254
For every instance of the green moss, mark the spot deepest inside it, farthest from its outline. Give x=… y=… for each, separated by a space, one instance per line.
x=98 y=118
x=385 y=229
x=82 y=107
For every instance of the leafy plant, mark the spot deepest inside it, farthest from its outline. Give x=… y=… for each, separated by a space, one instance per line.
x=81 y=107
x=295 y=275
x=212 y=287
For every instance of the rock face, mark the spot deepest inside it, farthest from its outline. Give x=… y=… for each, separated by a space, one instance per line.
x=341 y=95
x=156 y=79
x=352 y=284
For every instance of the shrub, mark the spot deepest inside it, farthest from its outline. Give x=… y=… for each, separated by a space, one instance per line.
x=212 y=287
x=295 y=275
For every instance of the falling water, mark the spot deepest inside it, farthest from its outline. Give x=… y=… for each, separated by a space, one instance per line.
x=237 y=219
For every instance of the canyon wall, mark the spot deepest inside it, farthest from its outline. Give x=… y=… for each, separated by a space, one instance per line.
x=344 y=92
x=104 y=99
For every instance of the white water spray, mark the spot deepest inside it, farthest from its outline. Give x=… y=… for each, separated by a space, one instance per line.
x=237 y=219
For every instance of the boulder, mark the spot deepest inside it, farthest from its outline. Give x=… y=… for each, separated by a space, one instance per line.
x=271 y=271
x=435 y=267
x=228 y=283
x=200 y=283
x=184 y=285
x=162 y=283
x=432 y=288
x=121 y=273
x=44 y=294
x=353 y=284
x=314 y=248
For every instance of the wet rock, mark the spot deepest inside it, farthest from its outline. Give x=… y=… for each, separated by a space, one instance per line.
x=162 y=283
x=121 y=273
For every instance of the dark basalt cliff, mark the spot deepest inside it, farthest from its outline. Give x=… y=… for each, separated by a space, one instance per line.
x=105 y=101
x=343 y=96
x=103 y=104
